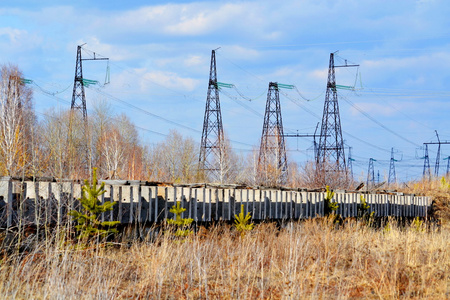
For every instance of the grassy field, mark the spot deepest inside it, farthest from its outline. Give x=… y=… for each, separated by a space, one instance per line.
x=311 y=259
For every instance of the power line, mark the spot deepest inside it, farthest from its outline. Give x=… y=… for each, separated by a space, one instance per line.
x=377 y=122
x=155 y=115
x=296 y=102
x=112 y=118
x=241 y=103
x=144 y=111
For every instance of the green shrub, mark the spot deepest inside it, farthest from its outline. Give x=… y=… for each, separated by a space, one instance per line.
x=88 y=221
x=181 y=224
x=243 y=223
x=444 y=184
x=363 y=211
x=330 y=207
x=417 y=225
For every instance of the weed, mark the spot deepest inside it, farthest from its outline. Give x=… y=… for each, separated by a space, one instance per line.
x=243 y=223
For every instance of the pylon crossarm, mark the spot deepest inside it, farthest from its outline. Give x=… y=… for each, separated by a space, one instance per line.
x=225 y=85
x=286 y=86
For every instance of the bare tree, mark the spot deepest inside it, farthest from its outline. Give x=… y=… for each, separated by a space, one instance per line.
x=230 y=164
x=174 y=159
x=16 y=120
x=54 y=136
x=113 y=152
x=120 y=154
x=311 y=176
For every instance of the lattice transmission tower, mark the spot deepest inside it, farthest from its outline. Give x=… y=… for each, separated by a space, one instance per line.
x=79 y=140
x=211 y=156
x=350 y=163
x=448 y=165
x=330 y=151
x=392 y=177
x=272 y=162
x=426 y=164
x=78 y=95
x=371 y=174
x=438 y=156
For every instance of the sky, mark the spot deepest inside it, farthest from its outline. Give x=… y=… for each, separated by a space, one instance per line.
x=159 y=58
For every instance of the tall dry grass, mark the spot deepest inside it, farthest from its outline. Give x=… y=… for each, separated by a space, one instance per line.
x=312 y=259
x=438 y=189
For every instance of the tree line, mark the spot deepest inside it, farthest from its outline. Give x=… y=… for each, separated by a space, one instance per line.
x=62 y=145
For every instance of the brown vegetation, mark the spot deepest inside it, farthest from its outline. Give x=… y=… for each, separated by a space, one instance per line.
x=439 y=191
x=304 y=260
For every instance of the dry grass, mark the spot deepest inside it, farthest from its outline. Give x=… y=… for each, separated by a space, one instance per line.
x=312 y=259
x=439 y=190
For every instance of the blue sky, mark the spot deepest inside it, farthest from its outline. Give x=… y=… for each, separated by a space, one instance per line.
x=160 y=56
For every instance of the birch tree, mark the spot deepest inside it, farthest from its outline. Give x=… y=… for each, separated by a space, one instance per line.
x=113 y=152
x=174 y=159
x=230 y=165
x=54 y=134
x=16 y=118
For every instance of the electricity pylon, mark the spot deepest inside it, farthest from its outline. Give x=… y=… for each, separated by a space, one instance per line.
x=78 y=95
x=330 y=151
x=272 y=162
x=426 y=164
x=210 y=157
x=370 y=174
x=392 y=178
x=438 y=156
x=350 y=163
x=79 y=141
x=448 y=165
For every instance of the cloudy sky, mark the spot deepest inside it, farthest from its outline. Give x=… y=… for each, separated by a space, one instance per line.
x=160 y=56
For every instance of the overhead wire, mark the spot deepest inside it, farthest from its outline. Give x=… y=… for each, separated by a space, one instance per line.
x=397 y=92
x=152 y=114
x=241 y=103
x=51 y=93
x=156 y=116
x=239 y=67
x=377 y=122
x=296 y=101
x=113 y=118
x=245 y=97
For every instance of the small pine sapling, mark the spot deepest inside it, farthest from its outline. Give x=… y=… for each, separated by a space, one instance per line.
x=387 y=228
x=417 y=225
x=330 y=207
x=444 y=184
x=181 y=224
x=243 y=223
x=363 y=211
x=88 y=221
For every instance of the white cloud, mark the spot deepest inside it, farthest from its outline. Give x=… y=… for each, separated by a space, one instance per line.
x=321 y=75
x=16 y=41
x=13 y=34
x=167 y=79
x=193 y=61
x=112 y=52
x=421 y=69
x=178 y=19
x=373 y=109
